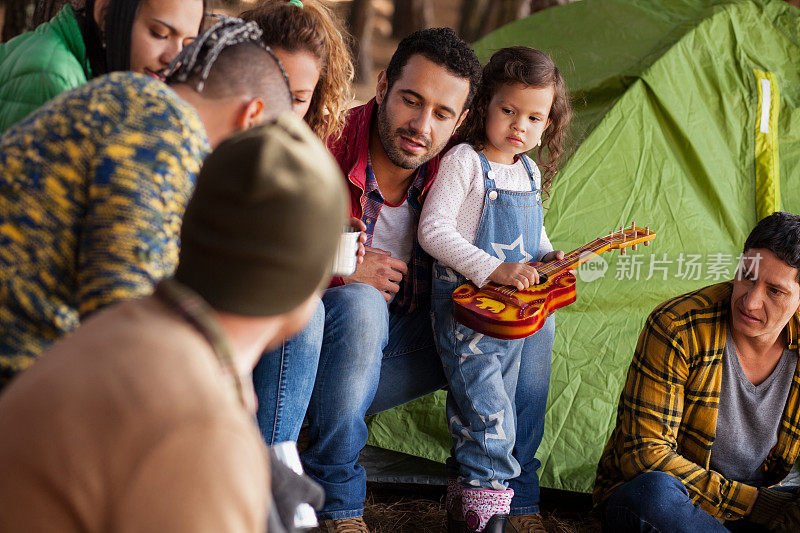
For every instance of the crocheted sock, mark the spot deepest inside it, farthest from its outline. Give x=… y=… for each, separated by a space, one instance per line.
x=479 y=505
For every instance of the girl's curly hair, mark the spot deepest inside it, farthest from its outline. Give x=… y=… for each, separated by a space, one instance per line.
x=533 y=68
x=315 y=29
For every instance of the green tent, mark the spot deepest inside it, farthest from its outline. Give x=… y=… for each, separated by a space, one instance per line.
x=687 y=121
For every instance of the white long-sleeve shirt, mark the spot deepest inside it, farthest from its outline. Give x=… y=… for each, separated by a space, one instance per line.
x=452 y=211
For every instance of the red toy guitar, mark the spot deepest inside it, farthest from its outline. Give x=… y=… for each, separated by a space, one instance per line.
x=506 y=312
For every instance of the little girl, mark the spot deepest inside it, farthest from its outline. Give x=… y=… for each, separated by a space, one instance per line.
x=483 y=221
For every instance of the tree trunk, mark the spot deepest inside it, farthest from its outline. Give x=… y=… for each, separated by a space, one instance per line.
x=506 y=11
x=473 y=13
x=45 y=10
x=479 y=17
x=361 y=21
x=410 y=16
x=538 y=5
x=17 y=18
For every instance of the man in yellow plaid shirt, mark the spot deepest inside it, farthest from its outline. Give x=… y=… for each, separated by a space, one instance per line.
x=709 y=417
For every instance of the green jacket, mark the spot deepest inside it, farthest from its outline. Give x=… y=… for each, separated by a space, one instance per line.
x=39 y=65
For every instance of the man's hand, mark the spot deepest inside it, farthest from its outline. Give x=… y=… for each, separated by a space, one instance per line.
x=776 y=510
x=380 y=270
x=358 y=224
x=518 y=275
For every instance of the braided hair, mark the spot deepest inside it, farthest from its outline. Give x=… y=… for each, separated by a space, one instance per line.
x=194 y=62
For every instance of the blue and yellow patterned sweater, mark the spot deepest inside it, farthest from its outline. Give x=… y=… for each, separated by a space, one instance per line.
x=93 y=187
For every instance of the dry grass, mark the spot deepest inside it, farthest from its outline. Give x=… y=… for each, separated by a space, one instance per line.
x=409 y=510
x=404 y=514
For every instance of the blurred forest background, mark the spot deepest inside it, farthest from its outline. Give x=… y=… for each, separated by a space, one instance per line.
x=375 y=25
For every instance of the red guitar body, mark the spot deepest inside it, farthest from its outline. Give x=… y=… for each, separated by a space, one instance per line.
x=505 y=312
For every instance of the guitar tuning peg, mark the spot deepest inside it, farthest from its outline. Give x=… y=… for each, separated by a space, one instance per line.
x=635 y=247
x=622 y=251
x=647 y=243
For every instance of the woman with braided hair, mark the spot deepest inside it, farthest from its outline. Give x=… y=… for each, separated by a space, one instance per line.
x=312 y=46
x=80 y=44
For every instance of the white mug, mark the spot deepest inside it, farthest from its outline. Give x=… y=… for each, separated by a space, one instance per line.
x=346 y=258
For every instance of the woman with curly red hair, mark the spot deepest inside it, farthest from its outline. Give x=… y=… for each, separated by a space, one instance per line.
x=312 y=46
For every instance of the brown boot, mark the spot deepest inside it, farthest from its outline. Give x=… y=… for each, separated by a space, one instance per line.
x=455 y=515
x=344 y=525
x=525 y=523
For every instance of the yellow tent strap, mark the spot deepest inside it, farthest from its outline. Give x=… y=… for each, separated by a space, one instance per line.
x=768 y=173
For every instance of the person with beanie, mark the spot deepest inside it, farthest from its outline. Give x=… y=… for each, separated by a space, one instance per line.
x=708 y=422
x=94 y=183
x=143 y=418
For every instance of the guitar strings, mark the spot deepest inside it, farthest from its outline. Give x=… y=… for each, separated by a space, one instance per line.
x=568 y=260
x=593 y=246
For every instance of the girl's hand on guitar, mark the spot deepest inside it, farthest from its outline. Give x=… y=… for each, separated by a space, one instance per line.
x=557 y=255
x=517 y=275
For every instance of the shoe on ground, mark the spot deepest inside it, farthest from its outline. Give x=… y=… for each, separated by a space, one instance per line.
x=496 y=524
x=344 y=525
x=525 y=523
x=456 y=524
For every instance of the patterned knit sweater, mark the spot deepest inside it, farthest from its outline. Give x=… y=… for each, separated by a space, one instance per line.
x=93 y=187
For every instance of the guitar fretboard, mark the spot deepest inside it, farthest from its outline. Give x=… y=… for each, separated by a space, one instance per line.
x=575 y=258
x=622 y=238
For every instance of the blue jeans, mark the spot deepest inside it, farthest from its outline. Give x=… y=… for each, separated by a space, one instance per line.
x=533 y=384
x=656 y=502
x=484 y=410
x=283 y=380
x=371 y=360
x=365 y=360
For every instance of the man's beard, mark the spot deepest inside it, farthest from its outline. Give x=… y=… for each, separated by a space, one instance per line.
x=389 y=140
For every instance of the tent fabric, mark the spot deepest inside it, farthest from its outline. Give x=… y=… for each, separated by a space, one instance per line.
x=768 y=183
x=668 y=135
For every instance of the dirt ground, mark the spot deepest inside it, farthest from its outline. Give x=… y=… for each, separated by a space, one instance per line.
x=414 y=508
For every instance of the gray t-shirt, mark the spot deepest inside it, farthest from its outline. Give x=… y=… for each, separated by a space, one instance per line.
x=749 y=416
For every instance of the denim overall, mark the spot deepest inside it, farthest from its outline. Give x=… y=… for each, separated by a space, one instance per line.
x=482 y=371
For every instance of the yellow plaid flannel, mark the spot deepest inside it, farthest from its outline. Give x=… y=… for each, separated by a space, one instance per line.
x=667 y=414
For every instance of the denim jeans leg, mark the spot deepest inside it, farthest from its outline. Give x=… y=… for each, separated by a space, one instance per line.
x=482 y=373
x=356 y=331
x=656 y=502
x=533 y=385
x=283 y=380
x=411 y=367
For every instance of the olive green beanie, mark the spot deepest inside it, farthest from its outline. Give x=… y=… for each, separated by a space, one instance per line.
x=260 y=231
